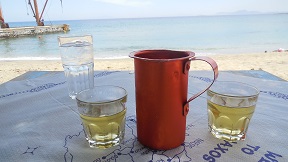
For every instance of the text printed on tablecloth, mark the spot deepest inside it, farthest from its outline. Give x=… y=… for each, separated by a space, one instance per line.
x=223 y=148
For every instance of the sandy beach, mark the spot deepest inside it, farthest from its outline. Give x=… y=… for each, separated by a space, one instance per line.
x=275 y=63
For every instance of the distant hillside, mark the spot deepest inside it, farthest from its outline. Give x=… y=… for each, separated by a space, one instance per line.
x=244 y=12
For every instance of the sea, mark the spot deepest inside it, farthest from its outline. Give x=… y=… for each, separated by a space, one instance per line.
x=117 y=38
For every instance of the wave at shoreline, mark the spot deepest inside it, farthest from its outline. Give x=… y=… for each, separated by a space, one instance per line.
x=54 y=58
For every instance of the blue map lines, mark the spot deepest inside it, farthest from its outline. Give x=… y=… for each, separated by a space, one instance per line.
x=276 y=94
x=32 y=90
x=131 y=149
x=273 y=94
x=67 y=154
x=30 y=150
x=51 y=85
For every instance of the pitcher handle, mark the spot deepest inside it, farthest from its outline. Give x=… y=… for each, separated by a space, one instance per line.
x=214 y=66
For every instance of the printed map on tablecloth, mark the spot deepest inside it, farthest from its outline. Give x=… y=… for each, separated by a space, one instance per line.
x=131 y=150
x=199 y=144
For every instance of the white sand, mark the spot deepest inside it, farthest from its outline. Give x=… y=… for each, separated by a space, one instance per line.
x=275 y=63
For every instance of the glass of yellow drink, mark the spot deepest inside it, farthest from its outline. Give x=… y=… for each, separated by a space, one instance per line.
x=230 y=108
x=103 y=111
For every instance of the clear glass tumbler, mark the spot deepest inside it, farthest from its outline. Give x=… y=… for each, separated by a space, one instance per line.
x=103 y=113
x=78 y=62
x=230 y=108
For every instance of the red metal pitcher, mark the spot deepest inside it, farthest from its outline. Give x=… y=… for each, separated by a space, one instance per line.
x=161 y=81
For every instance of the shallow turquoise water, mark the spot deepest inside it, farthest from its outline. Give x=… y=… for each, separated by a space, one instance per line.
x=116 y=38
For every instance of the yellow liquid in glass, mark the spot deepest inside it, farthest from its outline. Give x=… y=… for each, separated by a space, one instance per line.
x=104 y=131
x=227 y=122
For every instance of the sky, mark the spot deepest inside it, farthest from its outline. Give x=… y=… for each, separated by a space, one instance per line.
x=20 y=11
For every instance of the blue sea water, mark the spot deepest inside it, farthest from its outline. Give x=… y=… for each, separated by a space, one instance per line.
x=116 y=38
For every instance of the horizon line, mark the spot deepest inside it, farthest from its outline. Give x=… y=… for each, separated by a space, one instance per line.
x=155 y=17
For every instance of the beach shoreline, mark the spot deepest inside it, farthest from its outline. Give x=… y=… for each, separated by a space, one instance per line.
x=275 y=63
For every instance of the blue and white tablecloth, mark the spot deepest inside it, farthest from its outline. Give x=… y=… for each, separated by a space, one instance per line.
x=39 y=122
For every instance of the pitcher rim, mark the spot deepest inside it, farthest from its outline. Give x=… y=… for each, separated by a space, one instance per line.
x=190 y=55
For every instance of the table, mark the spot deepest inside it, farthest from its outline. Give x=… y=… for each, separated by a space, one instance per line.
x=251 y=73
x=39 y=122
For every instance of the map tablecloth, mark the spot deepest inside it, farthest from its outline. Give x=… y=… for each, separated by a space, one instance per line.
x=39 y=122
